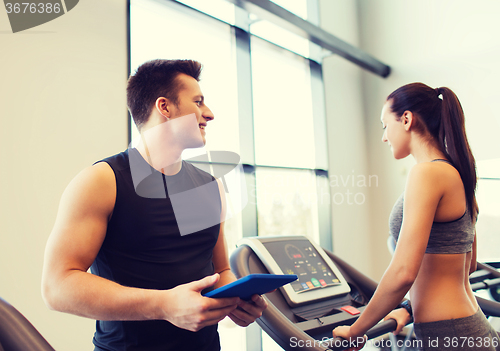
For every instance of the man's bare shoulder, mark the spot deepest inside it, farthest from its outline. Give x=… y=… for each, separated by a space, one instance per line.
x=99 y=175
x=94 y=186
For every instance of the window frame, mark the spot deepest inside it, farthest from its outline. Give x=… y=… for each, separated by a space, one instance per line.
x=242 y=36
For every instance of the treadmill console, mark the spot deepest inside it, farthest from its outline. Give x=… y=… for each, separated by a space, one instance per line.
x=319 y=277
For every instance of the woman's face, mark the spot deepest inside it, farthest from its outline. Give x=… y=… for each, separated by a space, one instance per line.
x=395 y=132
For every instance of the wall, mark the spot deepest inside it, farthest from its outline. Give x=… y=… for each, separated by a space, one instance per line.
x=441 y=43
x=347 y=147
x=62 y=107
x=438 y=42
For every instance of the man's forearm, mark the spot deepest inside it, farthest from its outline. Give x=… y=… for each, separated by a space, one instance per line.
x=90 y=296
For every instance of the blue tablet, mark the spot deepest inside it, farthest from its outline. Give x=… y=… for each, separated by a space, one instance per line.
x=252 y=284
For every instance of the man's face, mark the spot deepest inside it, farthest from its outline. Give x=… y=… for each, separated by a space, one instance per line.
x=191 y=107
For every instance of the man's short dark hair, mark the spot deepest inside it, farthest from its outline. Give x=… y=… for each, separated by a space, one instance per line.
x=154 y=79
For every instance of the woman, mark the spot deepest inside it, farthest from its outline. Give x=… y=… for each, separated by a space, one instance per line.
x=433 y=223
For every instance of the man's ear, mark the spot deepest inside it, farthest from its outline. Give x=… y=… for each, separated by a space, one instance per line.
x=164 y=107
x=408 y=119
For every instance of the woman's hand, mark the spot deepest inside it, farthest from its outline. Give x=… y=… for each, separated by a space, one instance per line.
x=344 y=332
x=401 y=316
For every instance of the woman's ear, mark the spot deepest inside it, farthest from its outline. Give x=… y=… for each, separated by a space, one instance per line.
x=408 y=119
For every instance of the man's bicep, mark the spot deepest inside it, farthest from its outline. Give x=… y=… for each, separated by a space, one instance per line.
x=82 y=219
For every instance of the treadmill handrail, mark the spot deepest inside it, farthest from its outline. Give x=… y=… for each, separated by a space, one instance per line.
x=378 y=330
x=239 y=265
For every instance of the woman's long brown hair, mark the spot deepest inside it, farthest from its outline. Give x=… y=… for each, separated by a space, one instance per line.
x=443 y=118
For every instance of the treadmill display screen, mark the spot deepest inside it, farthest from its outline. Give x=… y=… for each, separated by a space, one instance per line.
x=301 y=258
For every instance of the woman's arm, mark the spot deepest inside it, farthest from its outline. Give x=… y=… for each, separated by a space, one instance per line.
x=424 y=190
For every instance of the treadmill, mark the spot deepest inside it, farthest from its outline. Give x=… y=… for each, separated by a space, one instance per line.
x=329 y=292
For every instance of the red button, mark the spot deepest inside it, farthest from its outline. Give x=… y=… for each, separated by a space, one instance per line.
x=351 y=310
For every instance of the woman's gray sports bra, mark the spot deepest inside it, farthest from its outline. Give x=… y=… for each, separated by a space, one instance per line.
x=445 y=238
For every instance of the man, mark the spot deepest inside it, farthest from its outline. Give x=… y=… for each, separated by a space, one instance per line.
x=122 y=218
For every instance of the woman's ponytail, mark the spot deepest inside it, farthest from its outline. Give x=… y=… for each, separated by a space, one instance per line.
x=444 y=122
x=453 y=141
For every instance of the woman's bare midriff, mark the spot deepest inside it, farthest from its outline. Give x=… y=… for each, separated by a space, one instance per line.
x=442 y=290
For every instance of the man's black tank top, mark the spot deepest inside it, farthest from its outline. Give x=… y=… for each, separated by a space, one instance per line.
x=144 y=248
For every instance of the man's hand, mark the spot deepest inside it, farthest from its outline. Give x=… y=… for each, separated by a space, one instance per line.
x=401 y=316
x=248 y=311
x=186 y=308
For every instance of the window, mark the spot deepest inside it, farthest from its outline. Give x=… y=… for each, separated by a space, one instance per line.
x=168 y=32
x=266 y=94
x=282 y=100
x=287 y=202
x=297 y=7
